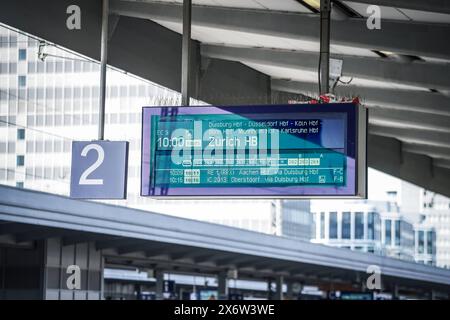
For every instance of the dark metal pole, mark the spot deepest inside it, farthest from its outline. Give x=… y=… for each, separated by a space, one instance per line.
x=104 y=58
x=325 y=14
x=186 y=53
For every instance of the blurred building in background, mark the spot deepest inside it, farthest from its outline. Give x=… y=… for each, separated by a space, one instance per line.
x=347 y=224
x=436 y=215
x=49 y=97
x=379 y=227
x=296 y=219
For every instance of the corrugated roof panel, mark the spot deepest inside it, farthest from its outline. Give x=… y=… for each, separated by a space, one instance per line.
x=311 y=76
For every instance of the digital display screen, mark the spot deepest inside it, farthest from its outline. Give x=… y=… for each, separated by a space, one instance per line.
x=283 y=150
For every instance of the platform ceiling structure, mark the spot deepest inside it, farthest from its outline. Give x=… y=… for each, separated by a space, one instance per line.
x=128 y=237
x=266 y=51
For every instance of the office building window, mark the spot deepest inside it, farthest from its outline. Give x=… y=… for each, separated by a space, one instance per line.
x=388 y=232
x=39 y=146
x=77 y=66
x=371 y=226
x=48 y=144
x=22 y=54
x=397 y=232
x=40 y=67
x=12 y=67
x=86 y=66
x=50 y=66
x=22 y=81
x=322 y=225
x=421 y=241
x=31 y=67
x=430 y=242
x=58 y=66
x=19 y=184
x=40 y=93
x=11 y=147
x=30 y=146
x=20 y=161
x=359 y=225
x=346 y=225
x=68 y=66
x=20 y=134
x=333 y=225
x=10 y=175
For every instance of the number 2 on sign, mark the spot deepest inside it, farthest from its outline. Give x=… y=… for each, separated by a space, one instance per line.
x=84 y=180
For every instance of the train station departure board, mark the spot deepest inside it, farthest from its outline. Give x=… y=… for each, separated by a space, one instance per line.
x=276 y=151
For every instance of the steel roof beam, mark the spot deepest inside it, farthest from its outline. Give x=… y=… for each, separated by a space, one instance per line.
x=417 y=73
x=443 y=163
x=387 y=154
x=431 y=151
x=439 y=6
x=407 y=100
x=423 y=39
x=431 y=138
x=409 y=119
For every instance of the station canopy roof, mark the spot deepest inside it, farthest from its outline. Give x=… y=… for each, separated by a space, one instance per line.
x=399 y=71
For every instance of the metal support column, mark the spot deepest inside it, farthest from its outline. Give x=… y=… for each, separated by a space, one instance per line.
x=324 y=59
x=289 y=290
x=159 y=290
x=103 y=62
x=186 y=53
x=222 y=285
x=433 y=295
x=279 y=292
x=395 y=291
x=270 y=293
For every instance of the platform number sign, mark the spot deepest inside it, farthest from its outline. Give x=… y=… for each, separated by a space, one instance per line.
x=99 y=169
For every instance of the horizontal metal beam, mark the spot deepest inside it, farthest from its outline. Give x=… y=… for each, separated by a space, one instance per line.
x=399 y=37
x=409 y=119
x=202 y=258
x=40 y=234
x=408 y=100
x=77 y=238
x=115 y=243
x=401 y=118
x=13 y=228
x=431 y=151
x=386 y=154
x=443 y=163
x=439 y=6
x=417 y=73
x=432 y=138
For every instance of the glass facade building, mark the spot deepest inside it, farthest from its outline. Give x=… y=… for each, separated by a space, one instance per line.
x=49 y=97
x=296 y=219
x=368 y=227
x=354 y=227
